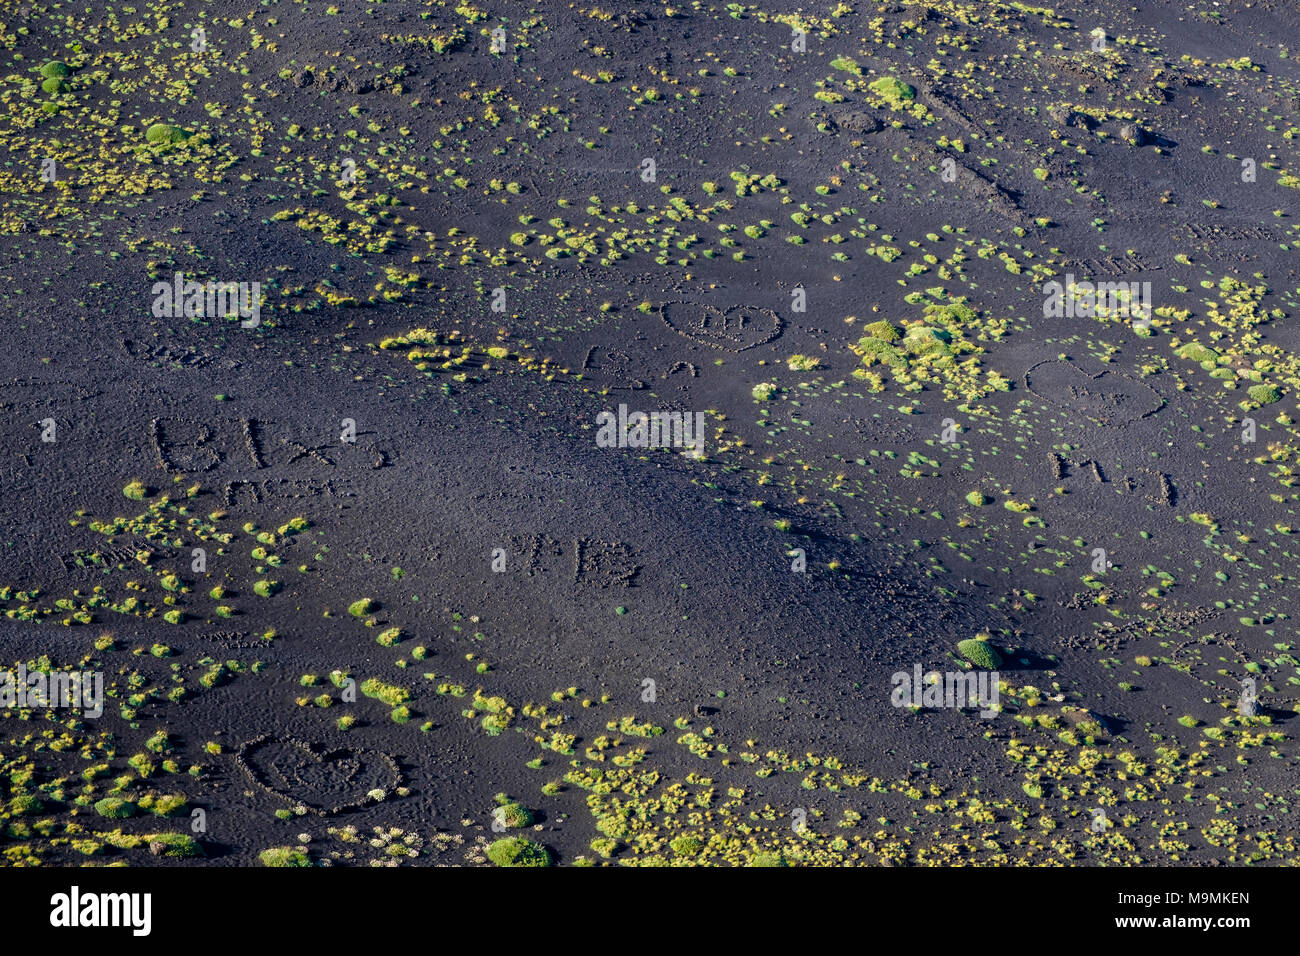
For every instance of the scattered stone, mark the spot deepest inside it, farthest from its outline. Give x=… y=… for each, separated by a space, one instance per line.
x=1134 y=135
x=858 y=121
x=1067 y=116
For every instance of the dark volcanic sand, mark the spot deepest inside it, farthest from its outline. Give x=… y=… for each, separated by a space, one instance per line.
x=772 y=688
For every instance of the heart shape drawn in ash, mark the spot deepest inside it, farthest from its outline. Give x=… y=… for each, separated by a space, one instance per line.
x=324 y=781
x=1108 y=398
x=736 y=329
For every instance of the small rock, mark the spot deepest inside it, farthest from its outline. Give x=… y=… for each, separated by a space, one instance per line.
x=1134 y=134
x=858 y=122
x=1071 y=117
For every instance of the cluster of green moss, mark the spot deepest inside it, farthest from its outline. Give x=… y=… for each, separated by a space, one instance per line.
x=1196 y=352
x=875 y=350
x=164 y=134
x=980 y=653
x=893 y=91
x=924 y=340
x=517 y=851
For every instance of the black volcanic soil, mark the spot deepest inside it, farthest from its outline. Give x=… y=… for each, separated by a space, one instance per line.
x=715 y=702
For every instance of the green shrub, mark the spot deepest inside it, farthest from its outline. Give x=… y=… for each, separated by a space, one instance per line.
x=164 y=134
x=687 y=845
x=284 y=856
x=980 y=653
x=168 y=806
x=1263 y=394
x=612 y=825
x=25 y=803
x=174 y=845
x=883 y=330
x=875 y=350
x=513 y=814
x=926 y=340
x=516 y=851
x=956 y=312
x=388 y=693
x=1196 y=352
x=115 y=808
x=802 y=363
x=56 y=69
x=892 y=90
